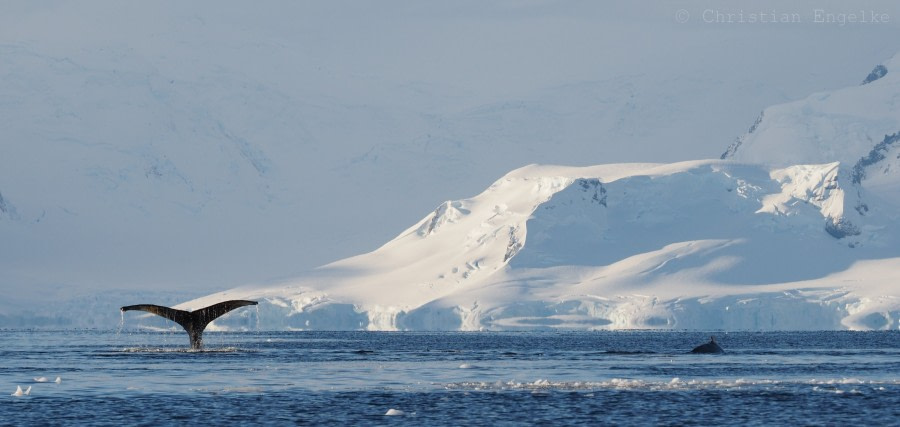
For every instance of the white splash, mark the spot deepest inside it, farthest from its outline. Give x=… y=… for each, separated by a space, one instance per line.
x=19 y=391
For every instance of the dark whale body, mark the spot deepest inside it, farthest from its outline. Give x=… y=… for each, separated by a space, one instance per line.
x=194 y=322
x=709 y=348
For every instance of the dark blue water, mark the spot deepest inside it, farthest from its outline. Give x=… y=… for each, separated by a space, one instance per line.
x=149 y=378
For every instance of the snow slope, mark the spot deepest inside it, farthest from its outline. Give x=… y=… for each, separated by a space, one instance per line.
x=858 y=127
x=796 y=229
x=703 y=244
x=842 y=125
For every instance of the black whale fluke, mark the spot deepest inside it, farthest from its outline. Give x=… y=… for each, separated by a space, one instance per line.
x=710 y=348
x=194 y=322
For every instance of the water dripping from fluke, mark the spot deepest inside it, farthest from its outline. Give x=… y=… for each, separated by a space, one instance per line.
x=258 y=334
x=121 y=324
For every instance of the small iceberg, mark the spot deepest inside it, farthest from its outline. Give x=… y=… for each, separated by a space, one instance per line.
x=19 y=391
x=58 y=380
x=394 y=412
x=41 y=379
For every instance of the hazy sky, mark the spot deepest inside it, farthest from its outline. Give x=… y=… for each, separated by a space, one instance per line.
x=204 y=145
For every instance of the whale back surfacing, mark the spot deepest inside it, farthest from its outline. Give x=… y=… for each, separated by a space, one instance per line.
x=709 y=348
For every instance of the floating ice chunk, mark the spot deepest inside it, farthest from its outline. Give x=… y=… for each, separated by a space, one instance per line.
x=41 y=379
x=467 y=366
x=19 y=391
x=58 y=380
x=394 y=412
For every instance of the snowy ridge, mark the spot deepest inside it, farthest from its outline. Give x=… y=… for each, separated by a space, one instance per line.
x=703 y=244
x=807 y=242
x=857 y=127
x=841 y=125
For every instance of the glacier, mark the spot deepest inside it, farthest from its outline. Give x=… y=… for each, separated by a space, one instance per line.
x=693 y=245
x=795 y=228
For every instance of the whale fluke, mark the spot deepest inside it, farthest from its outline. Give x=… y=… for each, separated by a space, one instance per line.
x=194 y=322
x=709 y=348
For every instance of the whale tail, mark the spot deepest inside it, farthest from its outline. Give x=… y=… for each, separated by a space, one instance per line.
x=193 y=322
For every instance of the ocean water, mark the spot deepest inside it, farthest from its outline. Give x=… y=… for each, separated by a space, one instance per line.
x=450 y=378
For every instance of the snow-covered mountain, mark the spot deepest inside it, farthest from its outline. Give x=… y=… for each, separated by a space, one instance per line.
x=797 y=229
x=706 y=244
x=858 y=127
x=158 y=152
